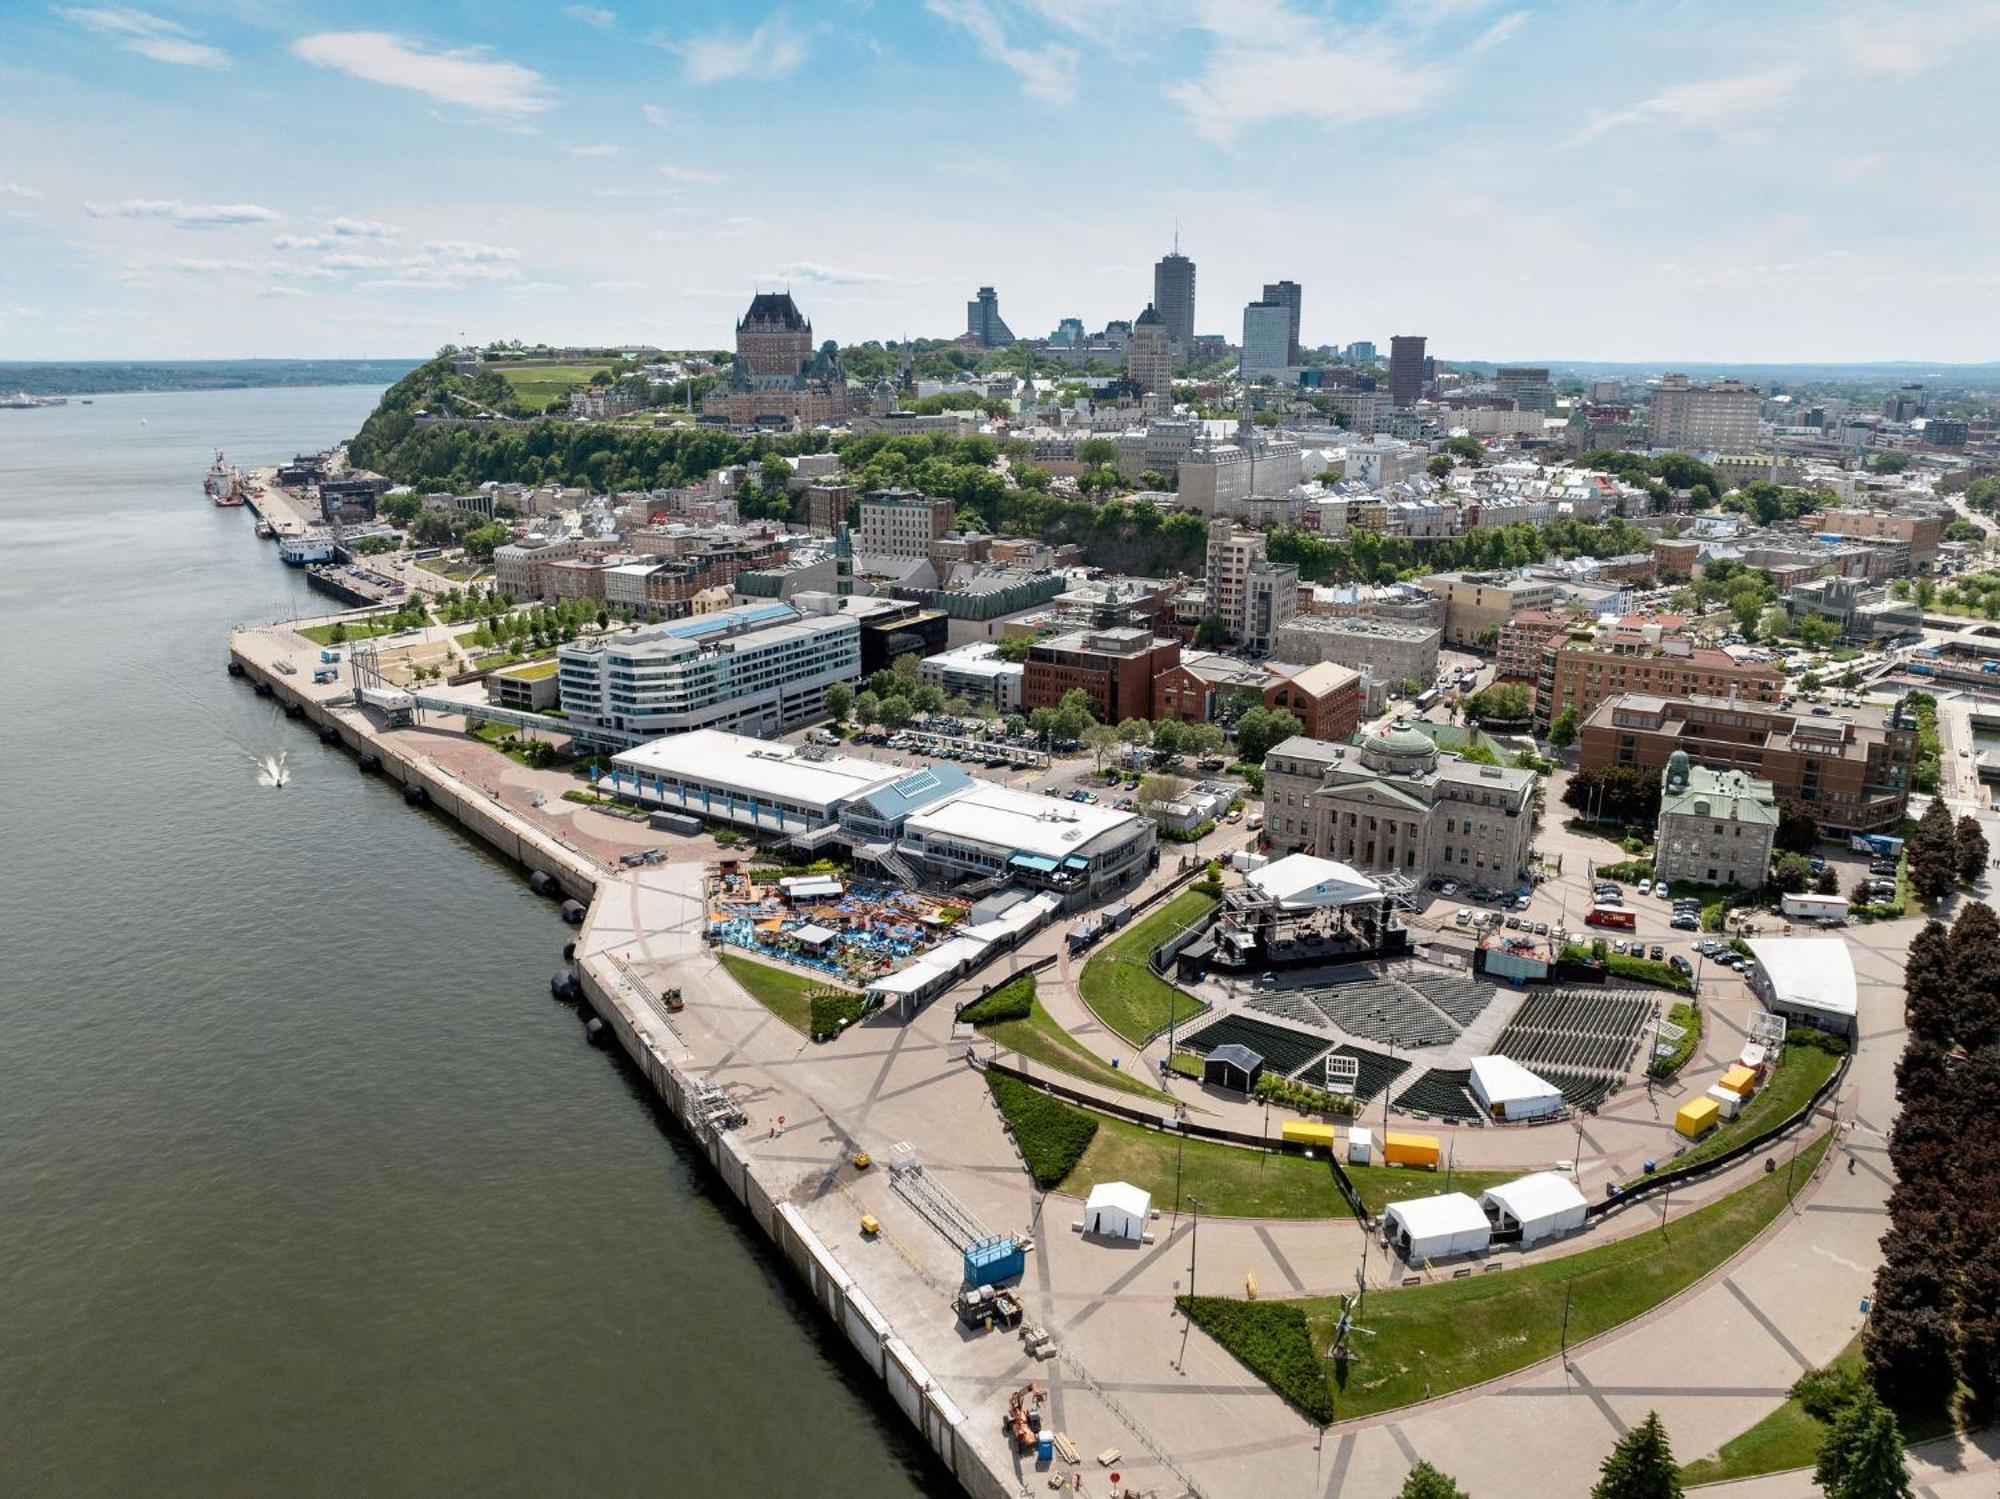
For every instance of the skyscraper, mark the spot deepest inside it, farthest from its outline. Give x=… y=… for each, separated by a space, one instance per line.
x=1267 y=349
x=1149 y=360
x=1173 y=295
x=982 y=320
x=1287 y=295
x=1406 y=369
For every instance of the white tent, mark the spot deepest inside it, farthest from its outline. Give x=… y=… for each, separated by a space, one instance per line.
x=1300 y=882
x=1117 y=1210
x=1541 y=1206
x=1507 y=1090
x=1432 y=1228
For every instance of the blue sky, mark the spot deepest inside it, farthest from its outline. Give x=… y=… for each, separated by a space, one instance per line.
x=1618 y=180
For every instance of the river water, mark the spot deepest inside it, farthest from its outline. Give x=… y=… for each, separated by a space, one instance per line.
x=306 y=1186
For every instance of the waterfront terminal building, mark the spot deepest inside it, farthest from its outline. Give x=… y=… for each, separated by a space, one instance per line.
x=935 y=825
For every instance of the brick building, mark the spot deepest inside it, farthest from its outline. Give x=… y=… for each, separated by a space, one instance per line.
x=1325 y=698
x=1642 y=656
x=1114 y=669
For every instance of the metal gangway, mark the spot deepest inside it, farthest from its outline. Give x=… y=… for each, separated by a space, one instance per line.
x=939 y=1208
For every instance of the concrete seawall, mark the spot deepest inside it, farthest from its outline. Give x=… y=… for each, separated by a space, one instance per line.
x=647 y=1036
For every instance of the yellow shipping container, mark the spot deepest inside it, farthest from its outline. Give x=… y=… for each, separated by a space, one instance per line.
x=1305 y=1132
x=1697 y=1117
x=1401 y=1149
x=1740 y=1080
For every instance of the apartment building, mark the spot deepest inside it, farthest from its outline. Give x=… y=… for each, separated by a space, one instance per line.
x=1477 y=602
x=517 y=567
x=1522 y=640
x=756 y=670
x=903 y=522
x=1715 y=418
x=1851 y=766
x=1642 y=656
x=1390 y=651
x=1254 y=597
x=1919 y=530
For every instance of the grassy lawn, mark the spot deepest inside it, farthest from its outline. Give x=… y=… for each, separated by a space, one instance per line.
x=1797 y=1078
x=355 y=629
x=1437 y=1338
x=1038 y=1037
x=1122 y=989
x=785 y=994
x=535 y=671
x=1230 y=1181
x=1381 y=1185
x=538 y=384
x=1787 y=1438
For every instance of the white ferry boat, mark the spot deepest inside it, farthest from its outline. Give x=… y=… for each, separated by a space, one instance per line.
x=298 y=551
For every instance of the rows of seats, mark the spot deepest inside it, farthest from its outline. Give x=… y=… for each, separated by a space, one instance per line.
x=1284 y=1050
x=1440 y=1094
x=1287 y=1004
x=1464 y=999
x=1579 y=1090
x=1375 y=1071
x=1586 y=1031
x=1385 y=1010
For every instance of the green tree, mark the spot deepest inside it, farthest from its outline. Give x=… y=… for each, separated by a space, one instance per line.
x=1097 y=451
x=1168 y=738
x=894 y=713
x=1426 y=1482
x=1502 y=702
x=1099 y=739
x=1790 y=873
x=1013 y=648
x=1933 y=853
x=481 y=541
x=1969 y=849
x=1261 y=728
x=1861 y=1456
x=1136 y=732
x=839 y=698
x=1211 y=634
x=867 y=708
x=1563 y=731
x=1641 y=1466
x=1200 y=739
x=1798 y=829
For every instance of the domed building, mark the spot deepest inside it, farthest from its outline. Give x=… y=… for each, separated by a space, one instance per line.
x=1395 y=804
x=1717 y=827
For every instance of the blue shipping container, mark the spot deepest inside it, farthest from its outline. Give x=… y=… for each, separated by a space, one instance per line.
x=990 y=1261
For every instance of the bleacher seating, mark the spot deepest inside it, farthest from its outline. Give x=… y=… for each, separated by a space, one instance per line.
x=1385 y=1010
x=1464 y=999
x=1581 y=1034
x=1284 y=1050
x=1579 y=1090
x=1288 y=1004
x=1440 y=1094
x=1375 y=1073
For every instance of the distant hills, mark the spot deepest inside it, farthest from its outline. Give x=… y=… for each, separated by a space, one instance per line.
x=109 y=377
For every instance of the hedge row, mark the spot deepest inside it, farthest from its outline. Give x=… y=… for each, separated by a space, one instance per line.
x=1013 y=1000
x=833 y=1012
x=1272 y=1341
x=1052 y=1135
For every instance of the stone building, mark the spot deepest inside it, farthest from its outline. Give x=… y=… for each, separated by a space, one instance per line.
x=1389 y=650
x=1716 y=827
x=777 y=378
x=1395 y=805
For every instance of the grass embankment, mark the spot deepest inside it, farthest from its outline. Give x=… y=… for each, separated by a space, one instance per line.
x=1052 y=1136
x=1688 y=1018
x=535 y=385
x=1434 y=1339
x=785 y=994
x=1805 y=1065
x=345 y=631
x=1012 y=1016
x=1120 y=986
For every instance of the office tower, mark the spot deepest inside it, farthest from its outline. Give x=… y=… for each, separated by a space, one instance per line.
x=1287 y=295
x=982 y=320
x=1173 y=295
x=1267 y=347
x=1716 y=418
x=1149 y=360
x=1406 y=369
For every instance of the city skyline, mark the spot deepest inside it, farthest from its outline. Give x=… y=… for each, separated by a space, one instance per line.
x=1528 y=181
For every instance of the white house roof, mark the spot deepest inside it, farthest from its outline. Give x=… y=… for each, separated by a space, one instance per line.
x=1446 y=1215
x=1303 y=881
x=1808 y=973
x=1122 y=1196
x=1533 y=1199
x=1502 y=1080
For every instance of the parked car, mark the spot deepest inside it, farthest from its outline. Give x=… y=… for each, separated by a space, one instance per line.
x=1658 y=953
x=1681 y=965
x=1645 y=887
x=1464 y=915
x=1541 y=929
x=1513 y=923
x=1450 y=888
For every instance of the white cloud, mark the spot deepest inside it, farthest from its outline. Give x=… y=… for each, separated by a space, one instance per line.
x=1498 y=32
x=1326 y=77
x=690 y=175
x=773 y=50
x=592 y=15
x=600 y=148
x=17 y=190
x=1047 y=72
x=282 y=291
x=300 y=242
x=193 y=267
x=467 y=75
x=658 y=117
x=1709 y=104
x=355 y=262
x=1899 y=43
x=362 y=228
x=146 y=34
x=184 y=215
x=469 y=251
x=822 y=275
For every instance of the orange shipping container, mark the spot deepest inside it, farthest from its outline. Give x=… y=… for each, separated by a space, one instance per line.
x=1401 y=1149
x=1740 y=1080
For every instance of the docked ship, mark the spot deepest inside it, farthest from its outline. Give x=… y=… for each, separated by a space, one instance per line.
x=224 y=485
x=298 y=551
x=22 y=401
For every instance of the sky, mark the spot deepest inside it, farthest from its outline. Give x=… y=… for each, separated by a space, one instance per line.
x=1581 y=179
